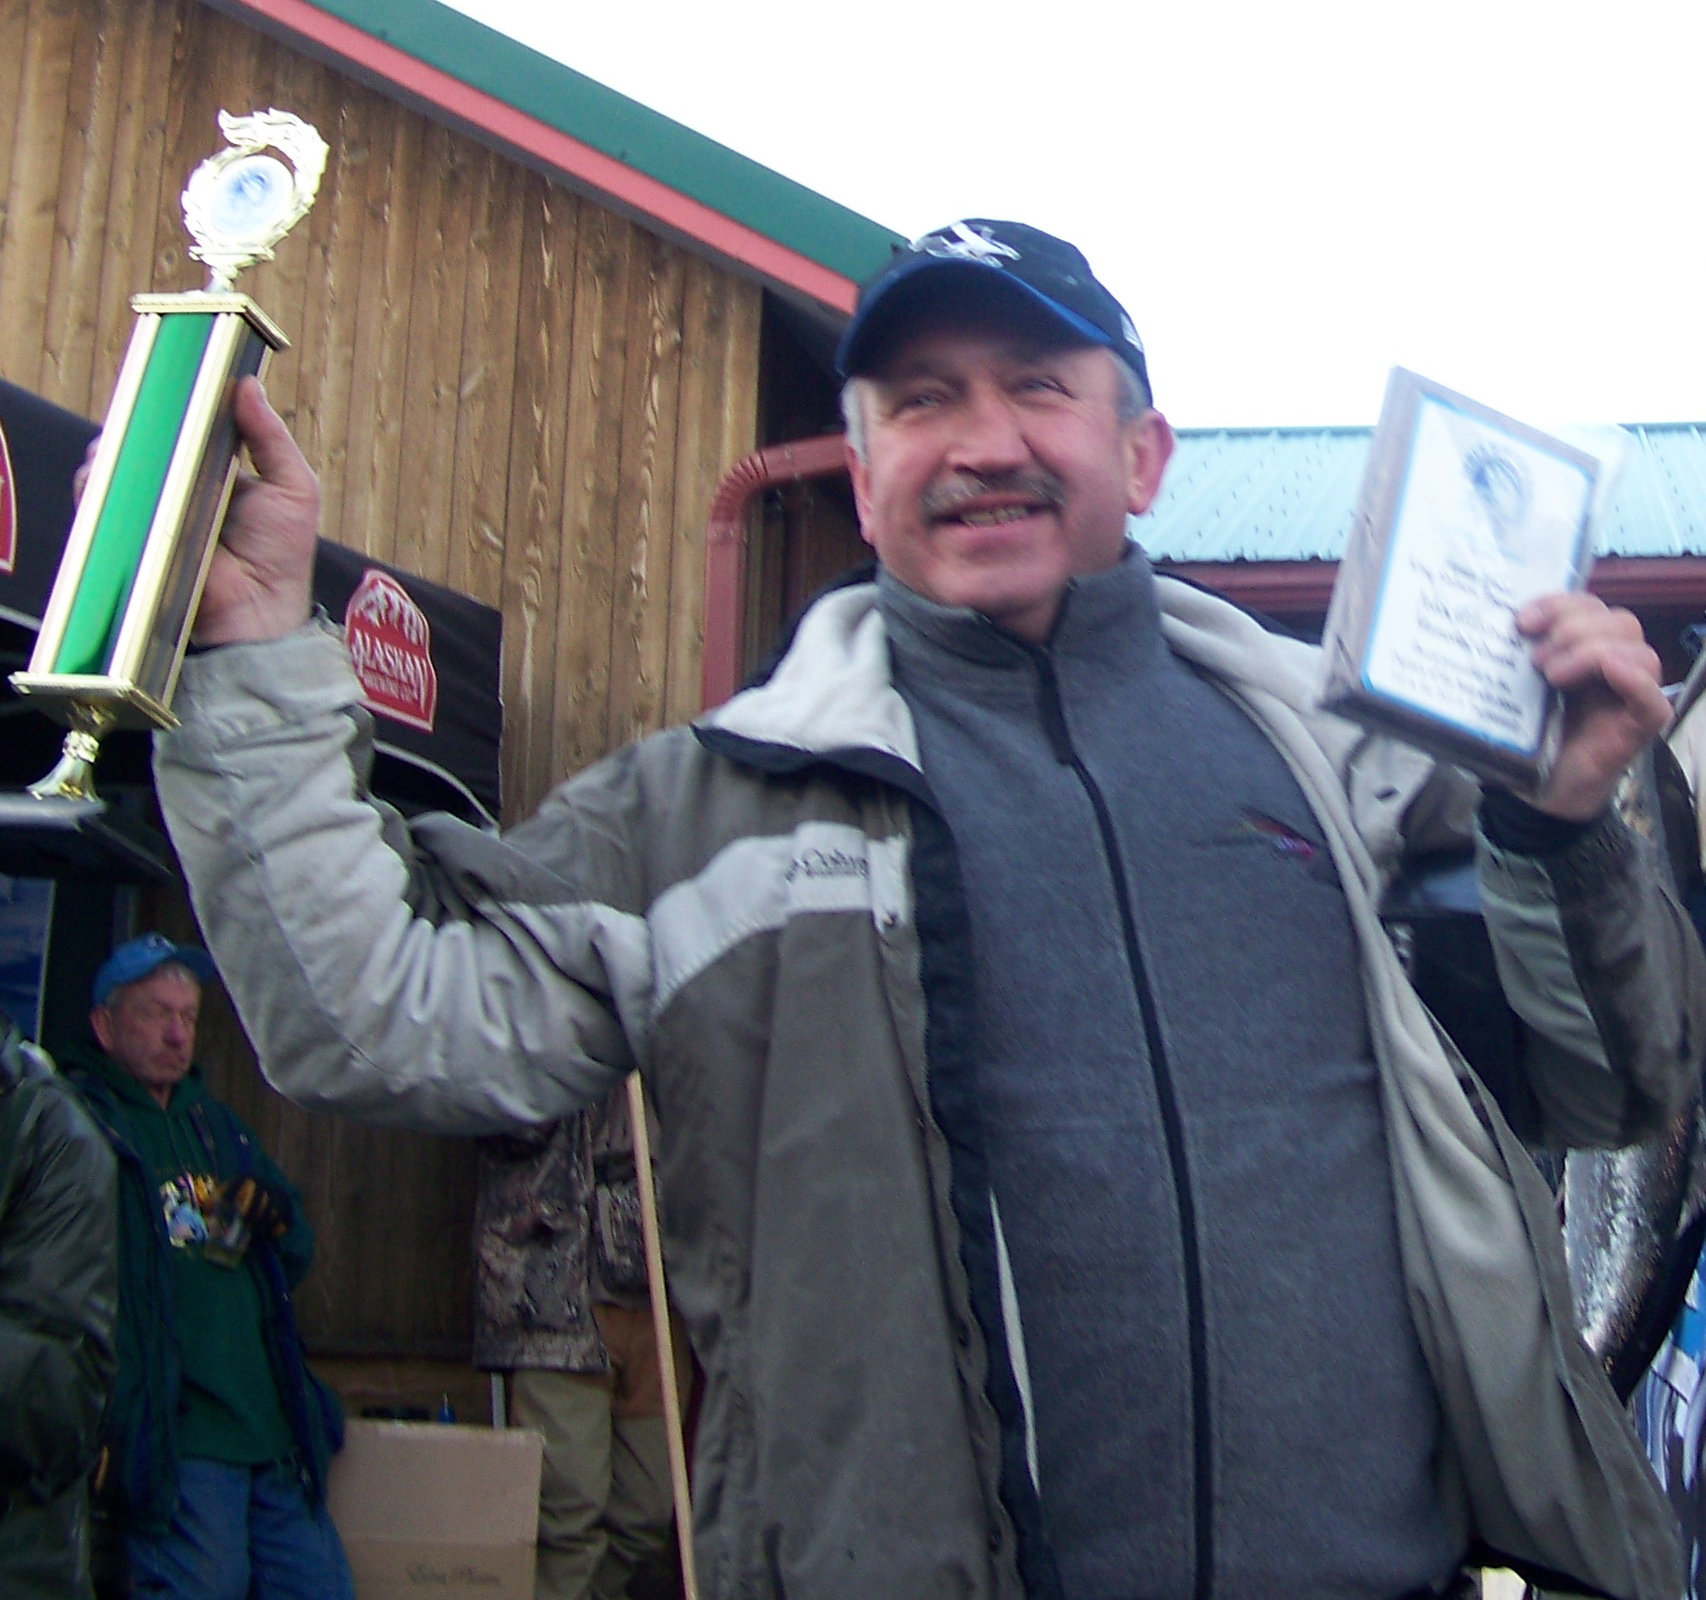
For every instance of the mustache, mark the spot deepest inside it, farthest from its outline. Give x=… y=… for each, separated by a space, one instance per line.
x=948 y=499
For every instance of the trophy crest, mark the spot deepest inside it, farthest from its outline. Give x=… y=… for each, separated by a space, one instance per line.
x=240 y=203
x=118 y=619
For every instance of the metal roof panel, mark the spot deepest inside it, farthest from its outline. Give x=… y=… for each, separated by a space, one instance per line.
x=1286 y=494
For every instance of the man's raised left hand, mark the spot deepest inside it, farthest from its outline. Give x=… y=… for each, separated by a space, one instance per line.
x=1614 y=704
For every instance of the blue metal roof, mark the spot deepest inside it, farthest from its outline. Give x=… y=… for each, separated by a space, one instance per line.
x=1286 y=494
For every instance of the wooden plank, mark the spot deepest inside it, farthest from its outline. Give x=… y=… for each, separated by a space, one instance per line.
x=135 y=185
x=32 y=187
x=766 y=571
x=366 y=1182
x=85 y=171
x=432 y=1240
x=214 y=68
x=293 y=83
x=417 y=1384
x=718 y=426
x=14 y=39
x=368 y=515
x=486 y=384
x=192 y=64
x=533 y=545
x=333 y=1309
x=698 y=434
x=645 y=510
x=384 y=1243
x=434 y=355
x=597 y=379
x=325 y=355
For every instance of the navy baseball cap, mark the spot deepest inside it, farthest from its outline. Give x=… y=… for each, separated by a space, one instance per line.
x=1031 y=268
x=134 y=960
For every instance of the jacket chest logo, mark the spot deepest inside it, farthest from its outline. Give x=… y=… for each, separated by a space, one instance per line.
x=828 y=864
x=757 y=885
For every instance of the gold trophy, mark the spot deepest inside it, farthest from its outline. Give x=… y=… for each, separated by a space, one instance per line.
x=118 y=618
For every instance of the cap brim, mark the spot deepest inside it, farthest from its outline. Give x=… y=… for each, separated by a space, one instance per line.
x=196 y=959
x=191 y=957
x=888 y=304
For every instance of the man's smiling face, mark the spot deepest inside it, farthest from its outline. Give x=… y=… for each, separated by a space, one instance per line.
x=997 y=465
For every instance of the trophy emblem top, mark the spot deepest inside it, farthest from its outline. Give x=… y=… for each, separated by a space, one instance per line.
x=242 y=201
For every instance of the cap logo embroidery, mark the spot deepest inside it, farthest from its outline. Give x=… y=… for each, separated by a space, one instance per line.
x=960 y=243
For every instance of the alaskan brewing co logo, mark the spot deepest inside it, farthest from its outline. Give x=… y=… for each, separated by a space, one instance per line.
x=390 y=647
x=8 y=509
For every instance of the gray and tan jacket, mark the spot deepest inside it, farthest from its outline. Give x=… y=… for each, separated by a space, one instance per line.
x=735 y=909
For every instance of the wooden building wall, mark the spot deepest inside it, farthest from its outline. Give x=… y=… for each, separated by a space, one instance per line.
x=504 y=387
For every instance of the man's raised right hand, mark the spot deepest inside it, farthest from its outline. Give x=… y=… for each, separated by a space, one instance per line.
x=260 y=581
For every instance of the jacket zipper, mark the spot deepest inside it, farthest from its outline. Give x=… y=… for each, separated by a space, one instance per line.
x=1172 y=1128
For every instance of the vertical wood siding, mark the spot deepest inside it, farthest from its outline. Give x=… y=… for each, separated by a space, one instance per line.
x=504 y=387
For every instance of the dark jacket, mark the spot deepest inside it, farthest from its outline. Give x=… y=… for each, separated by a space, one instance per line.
x=58 y=1287
x=140 y=1434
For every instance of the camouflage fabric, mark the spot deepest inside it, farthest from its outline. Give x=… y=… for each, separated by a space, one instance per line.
x=618 y=1237
x=556 y=1230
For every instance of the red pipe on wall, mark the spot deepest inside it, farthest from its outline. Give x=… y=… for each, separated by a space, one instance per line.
x=726 y=536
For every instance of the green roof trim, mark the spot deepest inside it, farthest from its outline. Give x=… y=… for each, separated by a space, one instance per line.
x=665 y=150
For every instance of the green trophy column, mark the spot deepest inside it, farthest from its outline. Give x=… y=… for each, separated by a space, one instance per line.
x=156 y=420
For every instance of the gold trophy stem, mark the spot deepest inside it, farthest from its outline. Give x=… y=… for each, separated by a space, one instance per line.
x=73 y=778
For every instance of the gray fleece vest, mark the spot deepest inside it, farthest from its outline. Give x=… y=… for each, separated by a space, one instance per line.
x=1180 y=1116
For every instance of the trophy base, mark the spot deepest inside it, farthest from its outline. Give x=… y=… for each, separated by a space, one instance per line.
x=66 y=838
x=75 y=700
x=73 y=778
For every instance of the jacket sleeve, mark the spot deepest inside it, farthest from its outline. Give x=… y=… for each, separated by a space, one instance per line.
x=1602 y=965
x=295 y=1246
x=58 y=1292
x=439 y=978
x=1593 y=952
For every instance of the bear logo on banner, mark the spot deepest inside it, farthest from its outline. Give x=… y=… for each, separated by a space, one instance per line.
x=390 y=647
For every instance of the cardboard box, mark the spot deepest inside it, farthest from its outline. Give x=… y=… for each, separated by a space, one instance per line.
x=433 y=1509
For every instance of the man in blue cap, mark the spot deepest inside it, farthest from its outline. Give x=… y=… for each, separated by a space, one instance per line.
x=1069 y=1195
x=217 y=1436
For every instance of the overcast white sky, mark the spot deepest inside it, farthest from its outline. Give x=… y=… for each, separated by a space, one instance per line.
x=1289 y=197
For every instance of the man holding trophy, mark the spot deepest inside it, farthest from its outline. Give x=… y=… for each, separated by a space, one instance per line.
x=1054 y=1142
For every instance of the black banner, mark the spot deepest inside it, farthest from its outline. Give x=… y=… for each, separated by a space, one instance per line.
x=429 y=659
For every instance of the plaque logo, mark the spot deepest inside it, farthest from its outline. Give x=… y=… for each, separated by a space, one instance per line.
x=1502 y=487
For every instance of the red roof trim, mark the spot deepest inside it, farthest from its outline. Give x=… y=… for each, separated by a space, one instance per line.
x=1292 y=589
x=486 y=114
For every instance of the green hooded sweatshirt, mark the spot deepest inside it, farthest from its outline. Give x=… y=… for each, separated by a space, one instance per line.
x=223 y=1308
